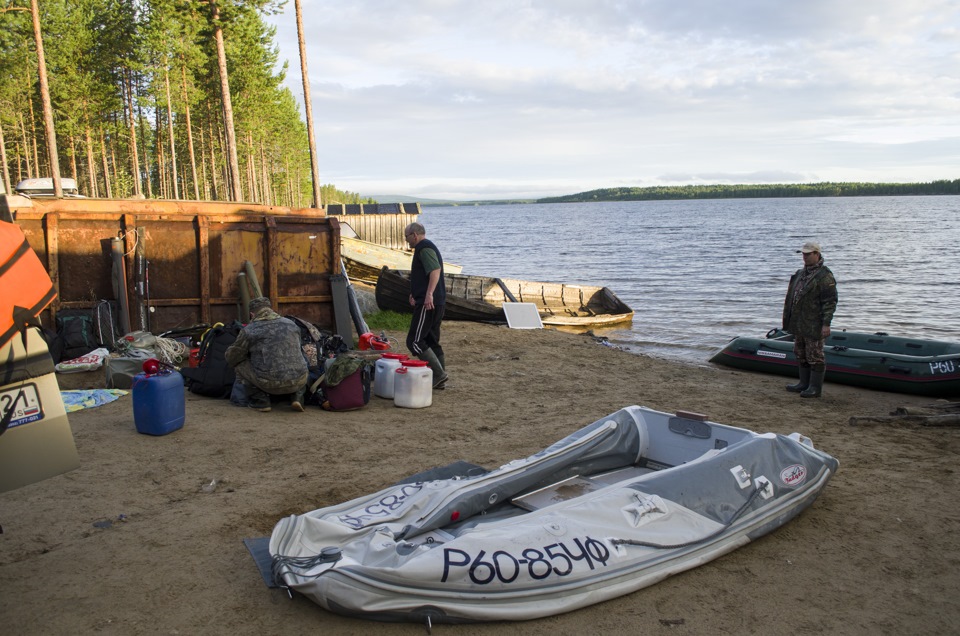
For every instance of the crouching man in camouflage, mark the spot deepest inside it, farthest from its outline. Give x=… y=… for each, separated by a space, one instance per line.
x=268 y=359
x=807 y=311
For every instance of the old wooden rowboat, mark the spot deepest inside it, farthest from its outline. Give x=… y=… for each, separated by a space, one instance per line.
x=614 y=507
x=364 y=259
x=875 y=361
x=481 y=298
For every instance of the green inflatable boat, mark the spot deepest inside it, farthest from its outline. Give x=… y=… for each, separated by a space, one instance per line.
x=872 y=360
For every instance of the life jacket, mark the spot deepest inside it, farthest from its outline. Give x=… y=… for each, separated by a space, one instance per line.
x=25 y=287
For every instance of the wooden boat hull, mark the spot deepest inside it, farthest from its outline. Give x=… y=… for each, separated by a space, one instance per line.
x=481 y=298
x=364 y=259
x=873 y=361
x=619 y=505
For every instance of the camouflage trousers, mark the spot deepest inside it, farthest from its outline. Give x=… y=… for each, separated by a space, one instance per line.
x=809 y=352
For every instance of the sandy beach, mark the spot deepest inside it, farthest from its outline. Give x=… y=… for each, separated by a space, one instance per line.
x=132 y=542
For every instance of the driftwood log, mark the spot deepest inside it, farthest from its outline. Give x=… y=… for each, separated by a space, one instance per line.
x=940 y=413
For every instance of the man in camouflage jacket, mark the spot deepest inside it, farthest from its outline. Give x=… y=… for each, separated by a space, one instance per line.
x=268 y=359
x=807 y=311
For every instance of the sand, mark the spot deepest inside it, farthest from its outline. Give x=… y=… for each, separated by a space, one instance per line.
x=877 y=552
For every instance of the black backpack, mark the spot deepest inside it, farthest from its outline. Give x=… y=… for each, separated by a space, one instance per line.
x=76 y=334
x=213 y=377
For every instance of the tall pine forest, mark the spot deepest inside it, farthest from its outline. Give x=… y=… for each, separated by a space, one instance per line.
x=144 y=106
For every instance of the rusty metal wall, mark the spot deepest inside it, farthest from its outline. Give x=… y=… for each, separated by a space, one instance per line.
x=192 y=253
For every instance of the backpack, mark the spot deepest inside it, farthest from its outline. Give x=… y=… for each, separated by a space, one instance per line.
x=311 y=341
x=213 y=377
x=76 y=333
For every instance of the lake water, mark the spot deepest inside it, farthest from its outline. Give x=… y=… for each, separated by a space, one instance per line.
x=698 y=273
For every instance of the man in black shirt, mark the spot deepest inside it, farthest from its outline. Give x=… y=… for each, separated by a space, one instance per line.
x=427 y=297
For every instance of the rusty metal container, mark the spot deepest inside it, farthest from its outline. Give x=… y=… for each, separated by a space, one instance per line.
x=181 y=259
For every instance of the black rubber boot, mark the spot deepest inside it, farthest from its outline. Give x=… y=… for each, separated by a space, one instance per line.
x=439 y=375
x=816 y=384
x=803 y=383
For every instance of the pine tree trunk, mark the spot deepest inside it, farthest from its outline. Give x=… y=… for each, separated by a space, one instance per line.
x=134 y=155
x=173 y=150
x=162 y=185
x=106 y=168
x=91 y=170
x=252 y=171
x=35 y=170
x=213 y=164
x=308 y=108
x=146 y=152
x=51 y=133
x=265 y=176
x=193 y=157
x=26 y=147
x=73 y=158
x=3 y=158
x=231 y=145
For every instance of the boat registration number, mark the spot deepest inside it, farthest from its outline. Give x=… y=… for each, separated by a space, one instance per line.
x=22 y=404
x=556 y=559
x=942 y=366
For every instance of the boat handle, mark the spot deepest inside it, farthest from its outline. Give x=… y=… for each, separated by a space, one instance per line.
x=903 y=370
x=746 y=350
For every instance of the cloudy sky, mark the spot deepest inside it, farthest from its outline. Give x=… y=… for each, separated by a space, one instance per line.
x=492 y=99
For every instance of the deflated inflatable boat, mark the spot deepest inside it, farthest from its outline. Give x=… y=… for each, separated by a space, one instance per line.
x=619 y=505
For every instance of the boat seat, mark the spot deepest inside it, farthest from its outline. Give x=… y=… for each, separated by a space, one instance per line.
x=576 y=486
x=569 y=488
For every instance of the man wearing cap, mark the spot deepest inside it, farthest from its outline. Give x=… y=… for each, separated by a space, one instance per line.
x=268 y=358
x=807 y=311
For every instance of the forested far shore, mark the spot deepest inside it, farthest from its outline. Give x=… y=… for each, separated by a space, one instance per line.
x=172 y=99
x=751 y=191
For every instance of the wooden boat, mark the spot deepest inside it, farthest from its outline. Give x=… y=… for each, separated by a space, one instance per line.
x=875 y=361
x=619 y=505
x=481 y=298
x=364 y=259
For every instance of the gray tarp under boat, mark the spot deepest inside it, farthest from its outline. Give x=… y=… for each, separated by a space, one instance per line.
x=616 y=506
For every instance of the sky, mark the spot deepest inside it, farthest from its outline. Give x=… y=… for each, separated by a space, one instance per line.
x=502 y=99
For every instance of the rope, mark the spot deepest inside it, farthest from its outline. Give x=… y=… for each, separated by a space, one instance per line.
x=736 y=515
x=136 y=239
x=171 y=351
x=290 y=563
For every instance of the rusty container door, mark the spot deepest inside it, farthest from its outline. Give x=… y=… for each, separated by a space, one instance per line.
x=181 y=259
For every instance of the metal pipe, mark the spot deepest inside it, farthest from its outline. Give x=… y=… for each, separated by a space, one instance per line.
x=120 y=283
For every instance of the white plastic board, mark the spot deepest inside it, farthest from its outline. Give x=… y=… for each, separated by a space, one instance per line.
x=522 y=316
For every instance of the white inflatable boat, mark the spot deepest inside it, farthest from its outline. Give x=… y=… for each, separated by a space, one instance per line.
x=619 y=505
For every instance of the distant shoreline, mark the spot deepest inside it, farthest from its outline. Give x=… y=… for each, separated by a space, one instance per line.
x=718 y=191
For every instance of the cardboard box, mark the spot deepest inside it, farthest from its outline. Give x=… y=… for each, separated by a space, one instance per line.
x=38 y=442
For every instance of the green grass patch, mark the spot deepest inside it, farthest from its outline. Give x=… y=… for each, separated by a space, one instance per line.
x=388 y=321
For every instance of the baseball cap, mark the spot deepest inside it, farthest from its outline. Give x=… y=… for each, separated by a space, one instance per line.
x=808 y=247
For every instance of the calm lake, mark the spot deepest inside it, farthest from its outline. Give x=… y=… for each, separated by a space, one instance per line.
x=698 y=273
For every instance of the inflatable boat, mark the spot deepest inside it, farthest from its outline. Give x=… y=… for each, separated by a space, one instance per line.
x=872 y=360
x=614 y=507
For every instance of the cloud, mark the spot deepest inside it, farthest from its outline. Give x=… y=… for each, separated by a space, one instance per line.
x=472 y=97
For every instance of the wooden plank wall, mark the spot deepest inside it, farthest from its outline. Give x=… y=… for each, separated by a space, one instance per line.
x=381 y=223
